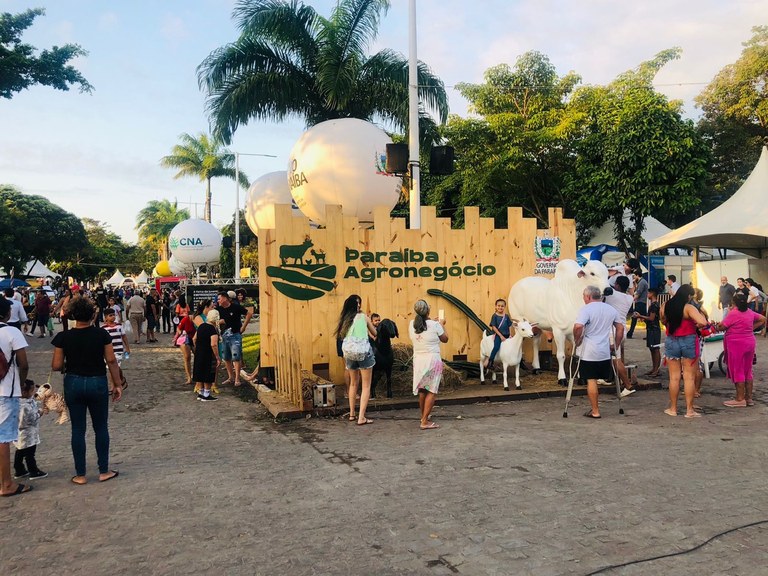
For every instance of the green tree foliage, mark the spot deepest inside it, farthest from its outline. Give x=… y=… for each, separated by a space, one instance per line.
x=735 y=119
x=154 y=223
x=20 y=68
x=248 y=248
x=634 y=152
x=515 y=152
x=290 y=61
x=204 y=158
x=33 y=227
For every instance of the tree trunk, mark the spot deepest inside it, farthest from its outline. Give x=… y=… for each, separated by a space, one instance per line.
x=208 y=200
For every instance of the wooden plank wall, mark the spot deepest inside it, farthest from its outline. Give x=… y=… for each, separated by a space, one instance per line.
x=312 y=323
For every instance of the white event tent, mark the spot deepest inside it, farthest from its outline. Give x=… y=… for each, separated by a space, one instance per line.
x=116 y=279
x=740 y=223
x=142 y=278
x=652 y=228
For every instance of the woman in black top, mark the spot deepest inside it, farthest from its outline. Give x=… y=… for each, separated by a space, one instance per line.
x=207 y=358
x=81 y=353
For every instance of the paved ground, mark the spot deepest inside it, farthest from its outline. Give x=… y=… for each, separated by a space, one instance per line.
x=502 y=488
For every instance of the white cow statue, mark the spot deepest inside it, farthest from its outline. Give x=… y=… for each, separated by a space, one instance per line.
x=554 y=304
x=510 y=352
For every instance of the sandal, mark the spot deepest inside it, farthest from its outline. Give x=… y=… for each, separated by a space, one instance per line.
x=430 y=426
x=79 y=482
x=364 y=422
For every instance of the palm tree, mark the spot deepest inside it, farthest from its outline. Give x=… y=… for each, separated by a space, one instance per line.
x=155 y=222
x=203 y=157
x=290 y=61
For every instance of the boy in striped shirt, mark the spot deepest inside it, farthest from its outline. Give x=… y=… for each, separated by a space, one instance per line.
x=119 y=340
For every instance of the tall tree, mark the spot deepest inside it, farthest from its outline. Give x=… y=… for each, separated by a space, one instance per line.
x=20 y=68
x=33 y=227
x=155 y=222
x=290 y=61
x=634 y=153
x=735 y=119
x=205 y=158
x=515 y=150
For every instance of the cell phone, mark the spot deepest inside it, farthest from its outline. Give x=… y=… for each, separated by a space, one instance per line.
x=441 y=314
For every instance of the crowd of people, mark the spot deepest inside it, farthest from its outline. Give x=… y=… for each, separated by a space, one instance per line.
x=96 y=326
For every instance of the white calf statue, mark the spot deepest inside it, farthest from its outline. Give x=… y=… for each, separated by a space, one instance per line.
x=554 y=304
x=510 y=352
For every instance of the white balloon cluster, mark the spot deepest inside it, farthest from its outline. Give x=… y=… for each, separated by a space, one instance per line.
x=338 y=162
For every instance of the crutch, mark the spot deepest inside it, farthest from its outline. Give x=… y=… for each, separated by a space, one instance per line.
x=614 y=365
x=570 y=381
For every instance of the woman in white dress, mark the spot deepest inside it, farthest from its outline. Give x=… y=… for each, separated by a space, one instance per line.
x=426 y=336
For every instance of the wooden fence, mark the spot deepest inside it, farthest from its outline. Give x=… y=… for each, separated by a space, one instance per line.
x=306 y=274
x=288 y=369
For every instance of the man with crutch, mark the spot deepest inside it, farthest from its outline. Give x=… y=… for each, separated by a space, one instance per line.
x=592 y=334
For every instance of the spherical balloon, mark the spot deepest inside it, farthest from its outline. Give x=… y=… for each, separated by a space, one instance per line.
x=342 y=162
x=195 y=242
x=178 y=268
x=264 y=193
x=163 y=269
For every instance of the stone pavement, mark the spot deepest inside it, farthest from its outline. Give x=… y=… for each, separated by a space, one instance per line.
x=501 y=488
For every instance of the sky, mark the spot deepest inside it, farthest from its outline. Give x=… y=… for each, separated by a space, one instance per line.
x=98 y=155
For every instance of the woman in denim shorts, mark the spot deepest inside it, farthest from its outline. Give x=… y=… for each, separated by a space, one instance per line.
x=353 y=322
x=680 y=348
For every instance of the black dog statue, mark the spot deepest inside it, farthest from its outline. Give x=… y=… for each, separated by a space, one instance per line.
x=382 y=349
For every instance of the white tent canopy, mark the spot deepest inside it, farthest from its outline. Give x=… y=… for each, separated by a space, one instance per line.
x=740 y=224
x=142 y=278
x=116 y=279
x=606 y=235
x=33 y=269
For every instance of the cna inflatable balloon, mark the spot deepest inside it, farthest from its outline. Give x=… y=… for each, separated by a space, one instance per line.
x=195 y=242
x=342 y=162
x=163 y=269
x=264 y=193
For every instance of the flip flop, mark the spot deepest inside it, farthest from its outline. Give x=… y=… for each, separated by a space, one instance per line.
x=669 y=412
x=115 y=475
x=430 y=426
x=694 y=415
x=20 y=489
x=589 y=414
x=352 y=418
x=85 y=480
x=364 y=422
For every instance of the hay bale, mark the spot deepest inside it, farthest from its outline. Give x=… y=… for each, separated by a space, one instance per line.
x=402 y=373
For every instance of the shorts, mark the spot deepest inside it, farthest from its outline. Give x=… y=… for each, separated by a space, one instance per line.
x=677 y=347
x=9 y=419
x=232 y=346
x=152 y=323
x=653 y=338
x=596 y=369
x=364 y=364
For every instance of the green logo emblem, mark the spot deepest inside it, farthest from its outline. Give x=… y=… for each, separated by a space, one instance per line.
x=173 y=243
x=301 y=276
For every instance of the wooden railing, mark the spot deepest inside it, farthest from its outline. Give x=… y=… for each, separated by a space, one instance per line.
x=288 y=369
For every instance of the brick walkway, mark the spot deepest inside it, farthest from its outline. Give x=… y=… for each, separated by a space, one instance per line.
x=502 y=488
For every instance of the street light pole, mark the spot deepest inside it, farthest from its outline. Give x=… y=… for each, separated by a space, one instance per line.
x=413 y=121
x=237 y=206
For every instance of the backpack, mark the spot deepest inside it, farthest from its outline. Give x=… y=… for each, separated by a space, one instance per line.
x=6 y=363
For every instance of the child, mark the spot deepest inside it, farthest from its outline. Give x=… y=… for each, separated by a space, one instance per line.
x=653 y=331
x=500 y=324
x=115 y=330
x=29 y=435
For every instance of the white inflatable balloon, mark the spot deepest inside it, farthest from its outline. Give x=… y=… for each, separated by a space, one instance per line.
x=264 y=193
x=178 y=268
x=342 y=162
x=195 y=242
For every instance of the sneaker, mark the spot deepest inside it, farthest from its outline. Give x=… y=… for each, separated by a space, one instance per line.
x=627 y=391
x=38 y=474
x=18 y=476
x=208 y=398
x=200 y=396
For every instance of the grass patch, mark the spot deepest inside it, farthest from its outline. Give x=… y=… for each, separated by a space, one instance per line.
x=251 y=350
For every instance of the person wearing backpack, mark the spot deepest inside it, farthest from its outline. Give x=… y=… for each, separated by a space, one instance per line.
x=14 y=368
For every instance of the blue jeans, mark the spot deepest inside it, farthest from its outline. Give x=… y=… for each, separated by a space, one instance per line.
x=233 y=346
x=88 y=394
